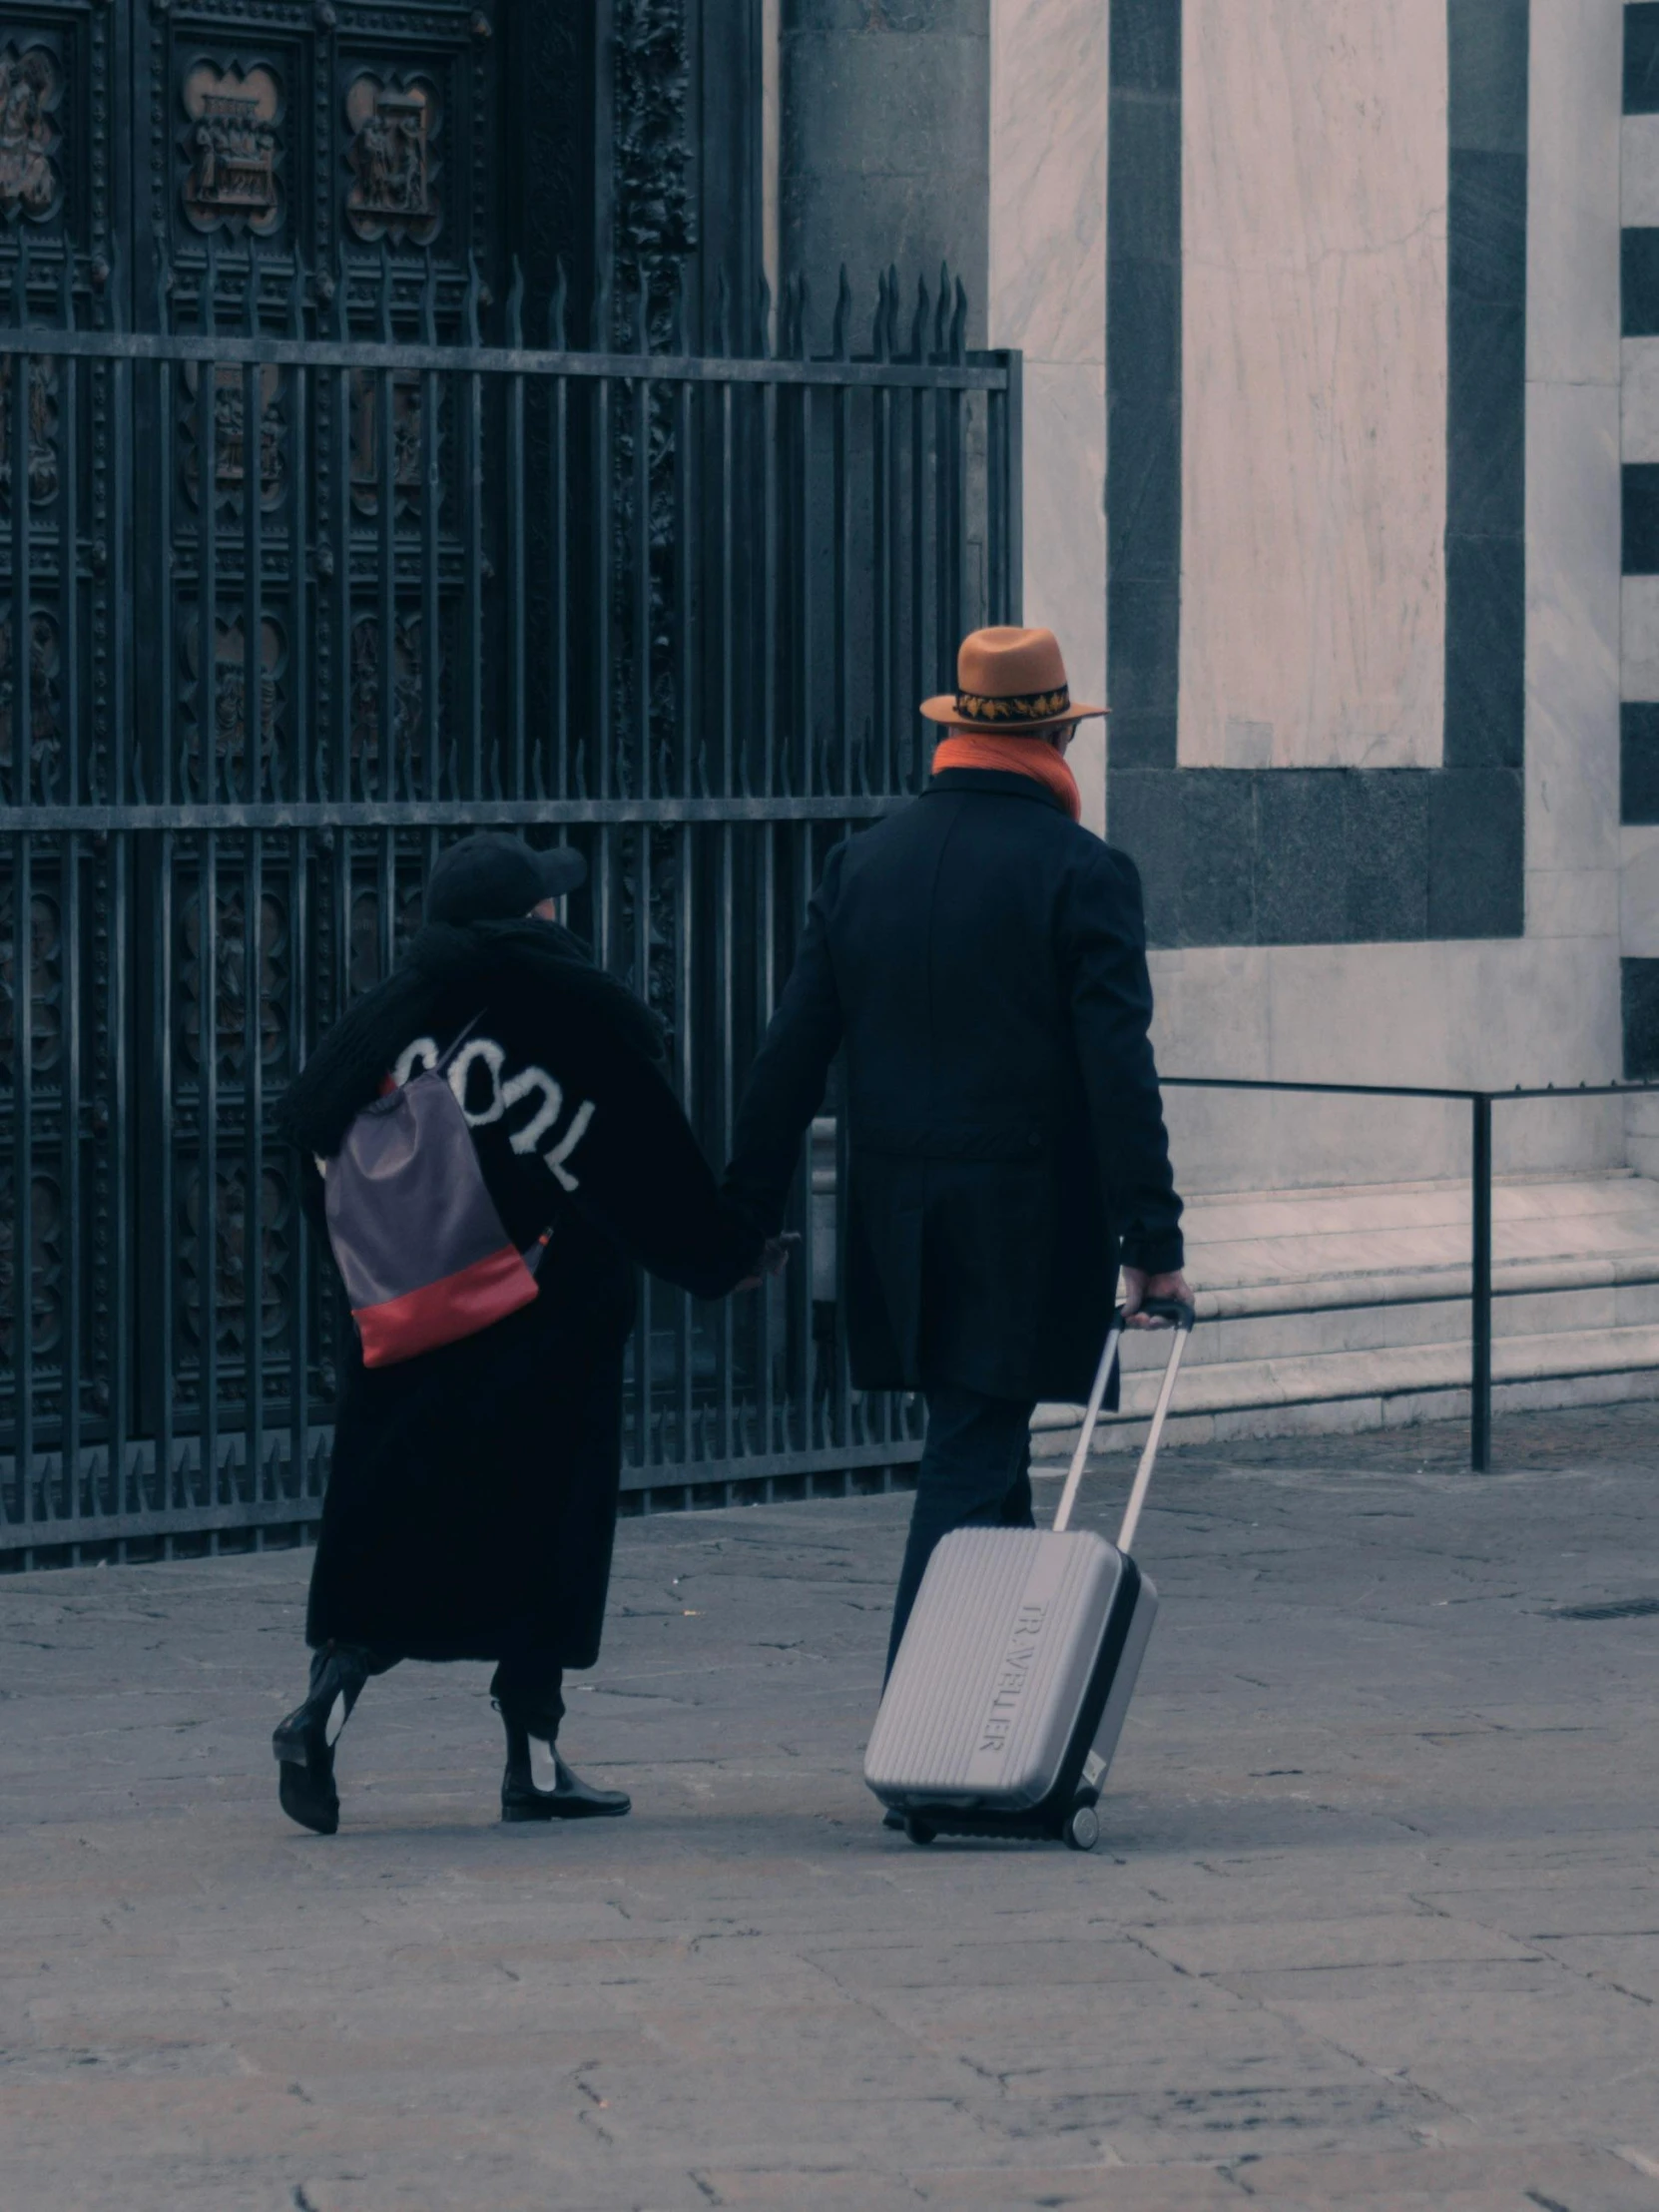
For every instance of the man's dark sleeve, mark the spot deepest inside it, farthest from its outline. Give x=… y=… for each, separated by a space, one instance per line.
x=787 y=1083
x=1103 y=941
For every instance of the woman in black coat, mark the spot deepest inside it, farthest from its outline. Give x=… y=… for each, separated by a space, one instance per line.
x=472 y=1502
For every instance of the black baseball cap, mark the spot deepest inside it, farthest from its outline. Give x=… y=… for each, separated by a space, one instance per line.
x=490 y=877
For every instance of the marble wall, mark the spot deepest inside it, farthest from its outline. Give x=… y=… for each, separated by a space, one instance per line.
x=1532 y=677
x=1315 y=151
x=1539 y=1007
x=1308 y=854
x=1475 y=1014
x=1048 y=297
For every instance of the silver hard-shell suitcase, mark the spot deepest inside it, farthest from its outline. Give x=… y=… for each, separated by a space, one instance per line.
x=1019 y=1659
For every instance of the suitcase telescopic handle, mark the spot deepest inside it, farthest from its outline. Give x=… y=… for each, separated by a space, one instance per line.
x=1182 y=1317
x=1175 y=1311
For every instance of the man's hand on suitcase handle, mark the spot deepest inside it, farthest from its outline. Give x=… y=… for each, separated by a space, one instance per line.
x=1137 y=1287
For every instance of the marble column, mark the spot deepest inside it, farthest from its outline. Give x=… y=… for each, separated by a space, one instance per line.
x=1572 y=469
x=1639 y=641
x=1544 y=1007
x=1314 y=190
x=1050 y=88
x=883 y=147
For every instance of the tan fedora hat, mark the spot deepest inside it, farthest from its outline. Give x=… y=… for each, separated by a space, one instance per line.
x=1011 y=680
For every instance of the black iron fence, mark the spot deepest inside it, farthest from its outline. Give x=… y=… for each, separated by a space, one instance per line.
x=291 y=596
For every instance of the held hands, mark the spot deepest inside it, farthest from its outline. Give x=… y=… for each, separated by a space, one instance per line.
x=1137 y=1287
x=775 y=1258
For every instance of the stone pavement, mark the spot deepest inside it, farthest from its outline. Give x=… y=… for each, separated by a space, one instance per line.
x=1375 y=1923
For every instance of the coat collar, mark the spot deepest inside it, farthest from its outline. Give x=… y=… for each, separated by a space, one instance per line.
x=991 y=781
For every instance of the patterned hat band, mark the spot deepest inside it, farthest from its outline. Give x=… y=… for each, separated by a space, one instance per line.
x=1021 y=706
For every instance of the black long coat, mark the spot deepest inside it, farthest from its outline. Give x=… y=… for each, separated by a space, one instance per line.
x=471 y=1504
x=983 y=960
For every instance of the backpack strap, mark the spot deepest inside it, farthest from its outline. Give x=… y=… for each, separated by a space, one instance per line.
x=442 y=1065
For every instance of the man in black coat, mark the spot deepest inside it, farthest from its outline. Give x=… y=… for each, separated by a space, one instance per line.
x=472 y=1497
x=980 y=960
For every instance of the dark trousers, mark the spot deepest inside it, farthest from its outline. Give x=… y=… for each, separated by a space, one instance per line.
x=975 y=1473
x=527 y=1690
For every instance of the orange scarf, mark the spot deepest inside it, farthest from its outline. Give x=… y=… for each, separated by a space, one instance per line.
x=1017 y=756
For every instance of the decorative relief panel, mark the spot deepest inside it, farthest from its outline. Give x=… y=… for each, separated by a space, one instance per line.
x=46 y=1273
x=44 y=954
x=393 y=190
x=332 y=129
x=30 y=771
x=229 y=1014
x=367 y=772
x=230 y=1263
x=31 y=87
x=655 y=233
x=250 y=979
x=226 y=711
x=43 y=429
x=366 y=969
x=655 y=226
x=234 y=147
x=229 y=431
x=46 y=983
x=365 y=441
x=660 y=916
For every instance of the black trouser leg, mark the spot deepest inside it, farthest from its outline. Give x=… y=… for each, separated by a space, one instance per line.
x=538 y=1786
x=349 y=1664
x=530 y=1693
x=975 y=1473
x=338 y=1675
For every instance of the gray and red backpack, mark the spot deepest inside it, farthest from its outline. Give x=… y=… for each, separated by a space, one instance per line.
x=417 y=1236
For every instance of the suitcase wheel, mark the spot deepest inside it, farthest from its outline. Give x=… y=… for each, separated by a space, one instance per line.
x=1082 y=1829
x=919 y=1830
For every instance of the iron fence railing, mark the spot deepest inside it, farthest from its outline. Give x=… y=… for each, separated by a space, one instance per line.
x=1481 y=1104
x=288 y=598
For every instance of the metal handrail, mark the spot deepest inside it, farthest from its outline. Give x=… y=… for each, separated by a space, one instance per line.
x=94 y=816
x=1481 y=1104
x=978 y=372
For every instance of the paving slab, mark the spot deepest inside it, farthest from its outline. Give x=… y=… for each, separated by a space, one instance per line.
x=1374 y=1925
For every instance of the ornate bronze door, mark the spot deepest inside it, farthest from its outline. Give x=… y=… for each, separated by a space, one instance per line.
x=334 y=169
x=321 y=128
x=323 y=540
x=299 y=168
x=320 y=133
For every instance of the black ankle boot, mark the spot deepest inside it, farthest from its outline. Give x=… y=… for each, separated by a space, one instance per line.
x=305 y=1741
x=537 y=1785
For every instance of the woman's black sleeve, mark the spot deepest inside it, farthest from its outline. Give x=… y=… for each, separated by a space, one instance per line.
x=640 y=1172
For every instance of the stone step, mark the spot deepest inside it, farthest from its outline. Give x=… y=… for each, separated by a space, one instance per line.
x=1386 y=1387
x=1427 y=1307
x=1257 y=1219
x=1350 y=1309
